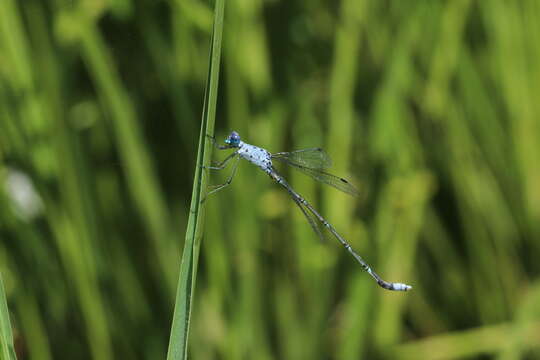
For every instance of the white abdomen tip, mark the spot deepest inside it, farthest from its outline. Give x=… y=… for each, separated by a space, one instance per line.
x=402 y=287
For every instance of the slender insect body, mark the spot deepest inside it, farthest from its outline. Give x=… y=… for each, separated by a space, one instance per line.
x=309 y=161
x=299 y=199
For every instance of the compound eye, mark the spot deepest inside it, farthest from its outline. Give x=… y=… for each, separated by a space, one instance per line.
x=233 y=139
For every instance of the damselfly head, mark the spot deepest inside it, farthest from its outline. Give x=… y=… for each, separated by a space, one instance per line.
x=233 y=140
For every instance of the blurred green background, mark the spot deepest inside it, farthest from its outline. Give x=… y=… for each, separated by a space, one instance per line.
x=430 y=107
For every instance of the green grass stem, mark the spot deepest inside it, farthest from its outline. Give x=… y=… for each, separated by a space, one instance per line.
x=178 y=343
x=7 y=350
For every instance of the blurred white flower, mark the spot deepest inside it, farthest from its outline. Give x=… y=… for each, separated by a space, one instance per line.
x=21 y=191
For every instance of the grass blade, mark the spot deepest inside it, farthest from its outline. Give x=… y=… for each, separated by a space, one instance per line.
x=188 y=269
x=7 y=350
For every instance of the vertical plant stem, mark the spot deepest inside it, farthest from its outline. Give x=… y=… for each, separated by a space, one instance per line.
x=188 y=269
x=7 y=350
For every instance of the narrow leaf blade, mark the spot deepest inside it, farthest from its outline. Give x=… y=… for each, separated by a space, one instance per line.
x=178 y=342
x=7 y=350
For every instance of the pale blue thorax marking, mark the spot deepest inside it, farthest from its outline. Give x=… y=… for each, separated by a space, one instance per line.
x=255 y=155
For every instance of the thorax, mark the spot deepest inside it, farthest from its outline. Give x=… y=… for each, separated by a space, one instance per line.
x=255 y=155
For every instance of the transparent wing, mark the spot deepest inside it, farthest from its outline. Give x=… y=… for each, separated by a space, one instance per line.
x=328 y=179
x=313 y=158
x=315 y=225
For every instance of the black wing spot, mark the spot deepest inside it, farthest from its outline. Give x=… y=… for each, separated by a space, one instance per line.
x=345 y=181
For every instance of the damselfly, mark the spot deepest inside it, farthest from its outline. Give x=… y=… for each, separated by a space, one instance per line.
x=312 y=162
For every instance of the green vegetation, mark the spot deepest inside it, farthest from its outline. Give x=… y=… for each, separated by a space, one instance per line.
x=430 y=107
x=178 y=343
x=6 y=336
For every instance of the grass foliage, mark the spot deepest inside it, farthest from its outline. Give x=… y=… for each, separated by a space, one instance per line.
x=178 y=343
x=7 y=350
x=429 y=107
